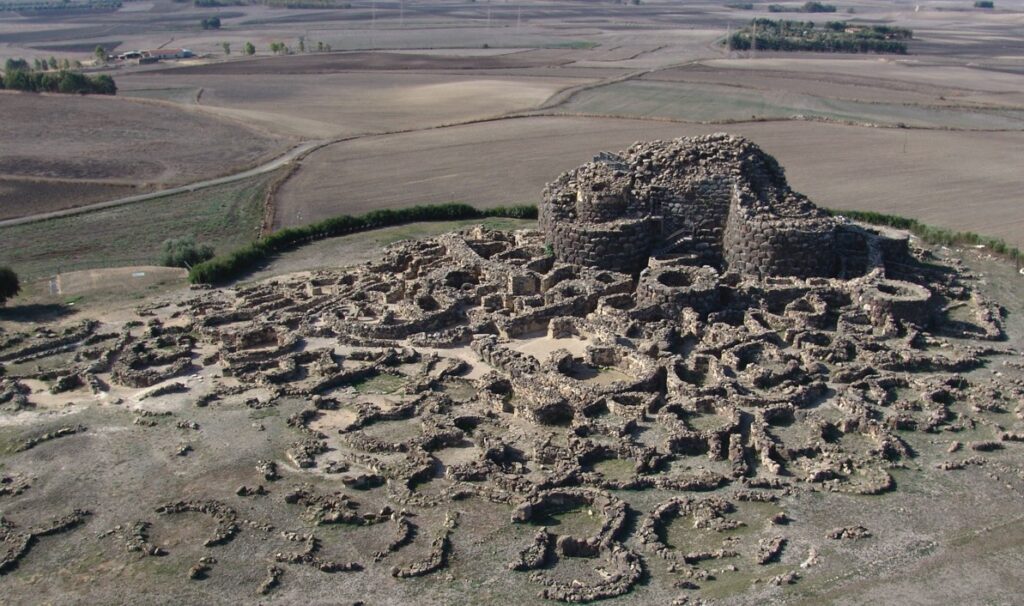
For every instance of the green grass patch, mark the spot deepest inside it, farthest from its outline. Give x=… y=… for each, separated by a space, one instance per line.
x=576 y=521
x=264 y=413
x=11 y=438
x=616 y=469
x=574 y=44
x=382 y=383
x=185 y=95
x=226 y=216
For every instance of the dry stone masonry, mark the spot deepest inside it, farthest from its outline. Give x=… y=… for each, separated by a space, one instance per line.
x=683 y=349
x=717 y=199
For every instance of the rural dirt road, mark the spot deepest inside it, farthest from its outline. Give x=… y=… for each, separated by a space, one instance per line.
x=293 y=154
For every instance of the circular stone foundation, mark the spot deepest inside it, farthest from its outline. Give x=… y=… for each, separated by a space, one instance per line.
x=674 y=288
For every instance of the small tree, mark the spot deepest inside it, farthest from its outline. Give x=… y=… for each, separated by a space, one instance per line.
x=104 y=85
x=248 y=49
x=227 y=47
x=184 y=252
x=53 y=62
x=9 y=285
x=302 y=44
x=101 y=55
x=17 y=80
x=72 y=82
x=14 y=65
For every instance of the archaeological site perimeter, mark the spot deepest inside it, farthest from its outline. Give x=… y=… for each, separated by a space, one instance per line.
x=685 y=384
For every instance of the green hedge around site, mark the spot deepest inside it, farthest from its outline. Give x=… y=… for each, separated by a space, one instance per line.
x=224 y=268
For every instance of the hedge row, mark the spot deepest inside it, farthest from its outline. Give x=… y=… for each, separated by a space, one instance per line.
x=228 y=267
x=935 y=235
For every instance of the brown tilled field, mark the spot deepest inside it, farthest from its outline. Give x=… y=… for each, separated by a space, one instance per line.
x=20 y=197
x=342 y=104
x=328 y=63
x=118 y=142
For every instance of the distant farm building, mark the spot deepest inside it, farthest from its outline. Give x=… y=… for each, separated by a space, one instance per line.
x=152 y=56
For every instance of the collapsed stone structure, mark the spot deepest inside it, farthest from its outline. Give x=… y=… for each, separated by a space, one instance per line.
x=695 y=326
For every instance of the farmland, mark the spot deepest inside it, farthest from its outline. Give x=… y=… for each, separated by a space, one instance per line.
x=919 y=173
x=354 y=103
x=357 y=418
x=225 y=216
x=105 y=146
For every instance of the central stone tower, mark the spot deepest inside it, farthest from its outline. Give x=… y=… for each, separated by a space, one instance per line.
x=717 y=199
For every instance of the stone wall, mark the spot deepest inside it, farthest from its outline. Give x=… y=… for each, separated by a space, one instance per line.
x=760 y=245
x=623 y=245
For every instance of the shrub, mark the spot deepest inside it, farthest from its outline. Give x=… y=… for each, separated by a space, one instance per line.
x=818 y=7
x=184 y=252
x=9 y=285
x=984 y=4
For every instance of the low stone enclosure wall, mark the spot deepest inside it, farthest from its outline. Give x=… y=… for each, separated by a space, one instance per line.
x=703 y=362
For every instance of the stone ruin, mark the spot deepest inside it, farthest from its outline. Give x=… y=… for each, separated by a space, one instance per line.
x=716 y=200
x=683 y=323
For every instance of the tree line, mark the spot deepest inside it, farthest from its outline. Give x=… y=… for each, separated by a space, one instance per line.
x=279 y=48
x=808 y=7
x=19 y=75
x=834 y=37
